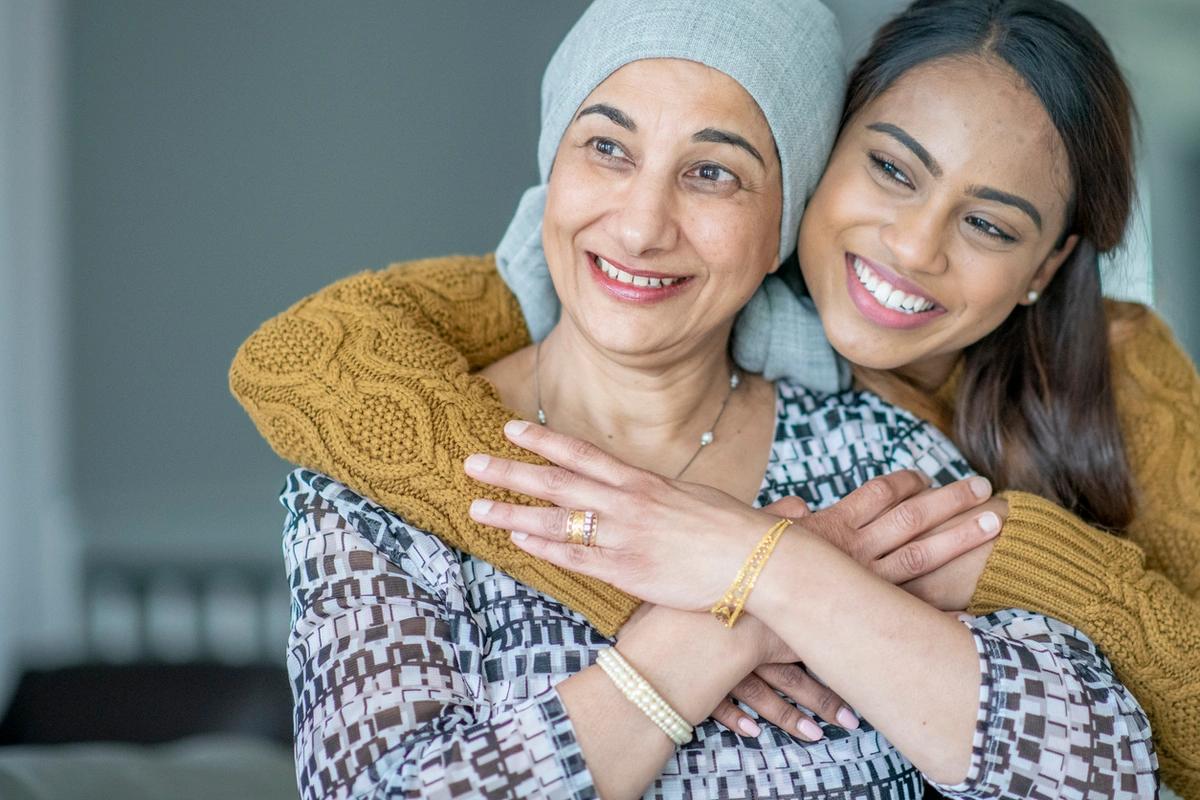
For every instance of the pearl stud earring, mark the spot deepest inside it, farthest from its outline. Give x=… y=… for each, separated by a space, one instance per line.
x=1033 y=296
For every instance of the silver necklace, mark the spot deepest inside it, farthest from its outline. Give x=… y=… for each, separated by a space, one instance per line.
x=706 y=438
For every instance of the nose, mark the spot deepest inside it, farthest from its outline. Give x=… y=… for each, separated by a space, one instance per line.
x=645 y=220
x=915 y=238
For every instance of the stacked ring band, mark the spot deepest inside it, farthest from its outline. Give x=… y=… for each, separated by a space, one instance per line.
x=581 y=528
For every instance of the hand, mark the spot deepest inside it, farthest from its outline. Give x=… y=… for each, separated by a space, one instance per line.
x=778 y=670
x=931 y=530
x=670 y=542
x=951 y=586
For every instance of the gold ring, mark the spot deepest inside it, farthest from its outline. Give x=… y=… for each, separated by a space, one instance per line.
x=581 y=528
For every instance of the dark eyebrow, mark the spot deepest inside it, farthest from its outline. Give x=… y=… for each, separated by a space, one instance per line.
x=988 y=193
x=725 y=137
x=900 y=135
x=615 y=114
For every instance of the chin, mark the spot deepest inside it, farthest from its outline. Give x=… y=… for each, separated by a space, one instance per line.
x=865 y=348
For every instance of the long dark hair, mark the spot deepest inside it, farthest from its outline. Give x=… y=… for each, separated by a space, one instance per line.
x=1035 y=408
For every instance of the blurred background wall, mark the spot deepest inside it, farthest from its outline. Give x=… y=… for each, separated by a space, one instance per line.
x=174 y=173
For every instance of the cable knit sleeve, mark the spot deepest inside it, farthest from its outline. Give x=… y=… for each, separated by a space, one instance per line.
x=1137 y=596
x=369 y=381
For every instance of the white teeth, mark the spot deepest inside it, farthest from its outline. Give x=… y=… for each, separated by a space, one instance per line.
x=882 y=292
x=887 y=296
x=634 y=280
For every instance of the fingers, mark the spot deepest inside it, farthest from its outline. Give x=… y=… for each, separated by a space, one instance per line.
x=548 y=523
x=869 y=501
x=735 y=719
x=555 y=484
x=795 y=682
x=576 y=455
x=766 y=702
x=791 y=507
x=576 y=558
x=923 y=513
x=922 y=556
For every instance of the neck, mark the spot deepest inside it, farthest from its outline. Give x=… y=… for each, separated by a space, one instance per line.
x=649 y=410
x=929 y=374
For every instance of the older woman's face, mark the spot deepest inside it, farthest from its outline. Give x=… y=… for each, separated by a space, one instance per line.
x=663 y=210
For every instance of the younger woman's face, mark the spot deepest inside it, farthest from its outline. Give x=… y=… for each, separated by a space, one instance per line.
x=943 y=206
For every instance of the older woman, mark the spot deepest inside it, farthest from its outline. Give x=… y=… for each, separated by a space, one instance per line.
x=673 y=193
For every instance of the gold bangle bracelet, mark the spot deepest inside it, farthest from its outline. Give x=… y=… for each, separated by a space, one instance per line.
x=730 y=606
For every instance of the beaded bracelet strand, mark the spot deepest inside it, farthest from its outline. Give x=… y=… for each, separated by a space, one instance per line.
x=642 y=695
x=730 y=606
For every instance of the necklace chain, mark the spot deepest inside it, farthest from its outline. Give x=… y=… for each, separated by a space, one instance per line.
x=706 y=438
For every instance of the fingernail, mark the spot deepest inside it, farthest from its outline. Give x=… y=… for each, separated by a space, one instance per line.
x=517 y=536
x=476 y=463
x=846 y=719
x=481 y=507
x=515 y=427
x=749 y=727
x=965 y=619
x=810 y=730
x=980 y=487
x=989 y=523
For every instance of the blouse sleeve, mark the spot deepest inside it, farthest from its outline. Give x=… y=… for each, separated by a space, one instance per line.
x=1137 y=595
x=1053 y=721
x=387 y=670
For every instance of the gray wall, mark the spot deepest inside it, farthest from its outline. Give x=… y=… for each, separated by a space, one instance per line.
x=226 y=158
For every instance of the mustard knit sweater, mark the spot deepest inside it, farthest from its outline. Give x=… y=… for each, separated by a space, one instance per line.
x=370 y=381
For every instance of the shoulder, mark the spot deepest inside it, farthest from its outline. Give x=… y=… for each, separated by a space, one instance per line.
x=1147 y=358
x=858 y=422
x=448 y=275
x=327 y=520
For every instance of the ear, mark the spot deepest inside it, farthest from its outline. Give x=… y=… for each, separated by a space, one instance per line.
x=1050 y=266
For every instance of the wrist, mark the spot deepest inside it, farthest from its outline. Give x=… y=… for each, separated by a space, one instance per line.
x=689 y=659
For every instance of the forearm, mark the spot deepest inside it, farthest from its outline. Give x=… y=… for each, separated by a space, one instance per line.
x=910 y=669
x=688 y=659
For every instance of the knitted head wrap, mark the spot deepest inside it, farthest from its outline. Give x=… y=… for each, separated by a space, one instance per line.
x=787 y=54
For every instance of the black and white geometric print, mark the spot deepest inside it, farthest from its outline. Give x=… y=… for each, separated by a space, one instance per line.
x=419 y=670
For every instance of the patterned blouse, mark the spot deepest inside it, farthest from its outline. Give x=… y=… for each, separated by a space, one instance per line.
x=421 y=671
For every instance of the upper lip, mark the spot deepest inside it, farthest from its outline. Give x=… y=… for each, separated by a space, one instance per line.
x=639 y=272
x=895 y=280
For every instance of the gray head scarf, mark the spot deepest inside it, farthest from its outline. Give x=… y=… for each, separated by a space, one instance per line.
x=787 y=54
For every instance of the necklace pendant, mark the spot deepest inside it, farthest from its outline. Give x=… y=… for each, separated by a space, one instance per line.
x=541 y=417
x=706 y=438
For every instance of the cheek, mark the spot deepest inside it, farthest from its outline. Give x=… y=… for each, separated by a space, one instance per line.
x=741 y=243
x=573 y=199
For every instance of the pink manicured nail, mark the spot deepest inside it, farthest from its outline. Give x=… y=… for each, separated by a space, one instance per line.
x=810 y=730
x=749 y=727
x=477 y=462
x=980 y=487
x=846 y=719
x=515 y=427
x=517 y=536
x=989 y=523
x=480 y=507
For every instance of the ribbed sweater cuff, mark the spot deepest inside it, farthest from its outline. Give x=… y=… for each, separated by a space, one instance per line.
x=1048 y=560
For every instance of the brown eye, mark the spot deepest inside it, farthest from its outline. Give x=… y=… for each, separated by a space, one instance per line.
x=607 y=149
x=889 y=170
x=989 y=230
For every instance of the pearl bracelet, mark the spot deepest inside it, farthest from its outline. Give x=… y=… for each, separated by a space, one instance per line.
x=642 y=695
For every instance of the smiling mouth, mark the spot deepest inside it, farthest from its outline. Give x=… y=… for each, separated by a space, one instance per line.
x=639 y=281
x=887 y=295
